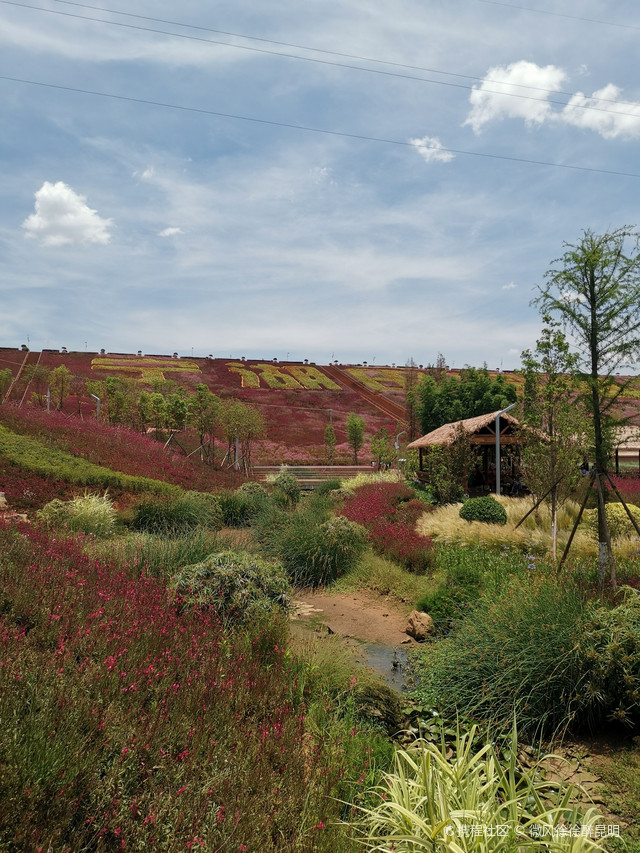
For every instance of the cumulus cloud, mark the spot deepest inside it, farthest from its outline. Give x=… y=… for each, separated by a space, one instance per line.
x=431 y=150
x=603 y=111
x=171 y=231
x=608 y=119
x=62 y=216
x=492 y=99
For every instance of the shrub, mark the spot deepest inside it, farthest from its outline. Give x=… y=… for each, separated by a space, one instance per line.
x=618 y=521
x=610 y=658
x=286 y=489
x=437 y=795
x=516 y=651
x=91 y=514
x=485 y=509
x=190 y=510
x=317 y=553
x=389 y=511
x=241 y=507
x=238 y=586
x=330 y=485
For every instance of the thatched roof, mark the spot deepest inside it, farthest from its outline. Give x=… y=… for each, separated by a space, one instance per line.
x=472 y=426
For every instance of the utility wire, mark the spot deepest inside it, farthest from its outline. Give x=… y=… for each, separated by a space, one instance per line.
x=560 y=15
x=201 y=39
x=308 y=129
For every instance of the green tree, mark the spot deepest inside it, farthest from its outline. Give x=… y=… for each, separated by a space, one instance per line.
x=177 y=409
x=594 y=291
x=450 y=399
x=241 y=424
x=59 y=382
x=355 y=434
x=381 y=447
x=36 y=378
x=202 y=416
x=6 y=377
x=554 y=434
x=329 y=442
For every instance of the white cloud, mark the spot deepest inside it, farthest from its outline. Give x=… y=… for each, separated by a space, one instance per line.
x=431 y=150
x=494 y=98
x=607 y=119
x=62 y=216
x=171 y=231
x=510 y=286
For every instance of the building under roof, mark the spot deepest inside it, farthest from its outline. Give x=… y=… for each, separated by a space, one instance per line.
x=481 y=432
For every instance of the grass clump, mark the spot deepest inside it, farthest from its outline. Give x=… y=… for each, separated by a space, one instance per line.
x=175 y=516
x=435 y=797
x=90 y=514
x=485 y=509
x=239 y=587
x=241 y=507
x=517 y=651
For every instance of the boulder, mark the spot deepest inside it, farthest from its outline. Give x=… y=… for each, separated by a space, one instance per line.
x=420 y=625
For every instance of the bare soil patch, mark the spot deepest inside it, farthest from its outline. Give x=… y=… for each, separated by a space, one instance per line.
x=359 y=615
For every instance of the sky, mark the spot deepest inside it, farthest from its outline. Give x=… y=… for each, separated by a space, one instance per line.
x=362 y=181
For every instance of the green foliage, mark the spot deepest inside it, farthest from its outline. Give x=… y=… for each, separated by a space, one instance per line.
x=381 y=448
x=329 y=442
x=473 y=393
x=6 y=377
x=48 y=461
x=157 y=555
x=446 y=467
x=173 y=517
x=437 y=794
x=486 y=509
x=618 y=521
x=610 y=657
x=332 y=484
x=238 y=586
x=355 y=434
x=286 y=488
x=91 y=514
x=314 y=552
x=241 y=507
x=518 y=651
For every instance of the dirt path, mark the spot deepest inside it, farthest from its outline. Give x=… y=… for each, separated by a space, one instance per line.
x=361 y=615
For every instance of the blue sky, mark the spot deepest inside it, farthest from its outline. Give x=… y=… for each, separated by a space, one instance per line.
x=133 y=226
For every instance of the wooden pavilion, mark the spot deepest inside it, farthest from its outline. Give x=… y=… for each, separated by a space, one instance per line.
x=481 y=432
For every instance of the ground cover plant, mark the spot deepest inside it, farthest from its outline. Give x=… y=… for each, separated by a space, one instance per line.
x=114 y=447
x=136 y=726
x=389 y=511
x=240 y=588
x=452 y=799
x=34 y=455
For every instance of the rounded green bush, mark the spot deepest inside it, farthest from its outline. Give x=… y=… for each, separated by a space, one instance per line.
x=485 y=509
x=317 y=553
x=239 y=586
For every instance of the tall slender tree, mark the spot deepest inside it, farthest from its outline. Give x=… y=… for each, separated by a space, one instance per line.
x=593 y=289
x=554 y=436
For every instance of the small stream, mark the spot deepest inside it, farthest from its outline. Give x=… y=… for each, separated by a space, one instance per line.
x=389 y=663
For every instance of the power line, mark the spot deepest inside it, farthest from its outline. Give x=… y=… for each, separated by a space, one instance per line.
x=297 y=57
x=308 y=129
x=560 y=15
